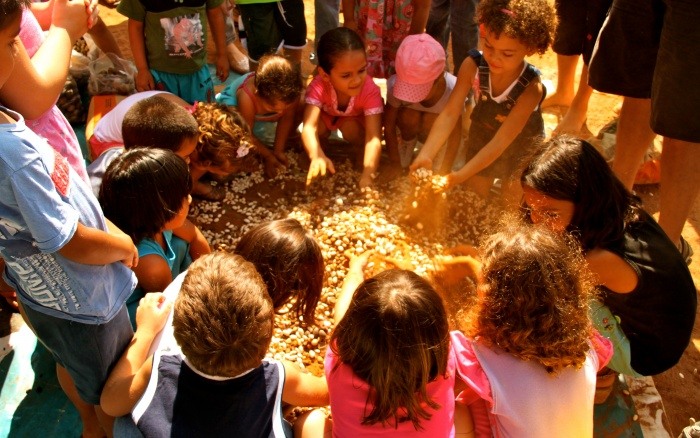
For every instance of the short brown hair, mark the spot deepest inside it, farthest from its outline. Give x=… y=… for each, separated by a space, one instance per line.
x=223 y=317
x=278 y=80
x=157 y=122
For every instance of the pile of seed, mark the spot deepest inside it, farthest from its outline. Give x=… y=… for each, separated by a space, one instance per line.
x=405 y=221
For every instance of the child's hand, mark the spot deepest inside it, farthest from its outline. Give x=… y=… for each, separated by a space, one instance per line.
x=222 y=66
x=144 y=80
x=451 y=270
x=152 y=312
x=74 y=16
x=272 y=166
x=318 y=167
x=281 y=157
x=92 y=11
x=421 y=162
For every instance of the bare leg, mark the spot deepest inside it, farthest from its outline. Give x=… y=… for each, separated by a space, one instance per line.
x=564 y=94
x=106 y=421
x=91 y=423
x=633 y=137
x=680 y=183
x=313 y=424
x=575 y=117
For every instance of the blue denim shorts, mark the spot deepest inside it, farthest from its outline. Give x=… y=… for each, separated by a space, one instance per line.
x=87 y=351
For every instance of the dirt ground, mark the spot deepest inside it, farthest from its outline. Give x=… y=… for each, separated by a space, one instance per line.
x=680 y=386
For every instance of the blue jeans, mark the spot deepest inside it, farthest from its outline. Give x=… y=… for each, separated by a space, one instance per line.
x=459 y=18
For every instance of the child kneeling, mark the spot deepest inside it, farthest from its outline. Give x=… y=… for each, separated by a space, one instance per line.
x=215 y=381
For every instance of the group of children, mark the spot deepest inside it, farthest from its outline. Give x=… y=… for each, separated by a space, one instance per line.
x=196 y=362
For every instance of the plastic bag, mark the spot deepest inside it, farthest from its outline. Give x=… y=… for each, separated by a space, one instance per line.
x=110 y=74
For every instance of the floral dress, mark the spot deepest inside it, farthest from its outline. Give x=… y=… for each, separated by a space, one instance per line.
x=383 y=24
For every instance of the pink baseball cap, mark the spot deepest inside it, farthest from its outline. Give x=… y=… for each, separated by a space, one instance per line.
x=419 y=61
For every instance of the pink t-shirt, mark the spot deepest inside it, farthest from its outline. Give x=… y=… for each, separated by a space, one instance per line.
x=348 y=394
x=321 y=93
x=52 y=125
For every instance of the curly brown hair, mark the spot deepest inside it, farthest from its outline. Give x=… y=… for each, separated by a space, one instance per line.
x=535 y=293
x=223 y=317
x=222 y=131
x=532 y=22
x=278 y=80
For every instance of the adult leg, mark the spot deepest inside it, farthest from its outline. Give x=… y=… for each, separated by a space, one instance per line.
x=575 y=117
x=438 y=25
x=680 y=183
x=634 y=135
x=325 y=17
x=566 y=75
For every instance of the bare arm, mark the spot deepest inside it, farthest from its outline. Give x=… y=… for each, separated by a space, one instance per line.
x=421 y=10
x=153 y=273
x=373 y=148
x=129 y=378
x=45 y=73
x=303 y=389
x=354 y=277
x=246 y=107
x=509 y=130
x=191 y=234
x=452 y=148
x=215 y=17
x=91 y=246
x=144 y=79
x=612 y=271
x=309 y=136
x=390 y=138
x=446 y=121
x=285 y=125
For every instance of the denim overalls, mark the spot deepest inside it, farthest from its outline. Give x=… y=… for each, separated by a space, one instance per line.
x=488 y=115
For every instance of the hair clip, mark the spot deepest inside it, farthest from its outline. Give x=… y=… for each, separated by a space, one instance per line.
x=508 y=12
x=243 y=149
x=193 y=108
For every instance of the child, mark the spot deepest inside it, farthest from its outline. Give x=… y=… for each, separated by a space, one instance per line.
x=68 y=265
x=222 y=148
x=146 y=193
x=416 y=95
x=532 y=350
x=392 y=365
x=146 y=119
x=289 y=261
x=216 y=381
x=270 y=94
x=343 y=97
x=508 y=92
x=383 y=25
x=642 y=278
x=169 y=46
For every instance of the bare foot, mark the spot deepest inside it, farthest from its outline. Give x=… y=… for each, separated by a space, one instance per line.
x=572 y=123
x=558 y=99
x=237 y=60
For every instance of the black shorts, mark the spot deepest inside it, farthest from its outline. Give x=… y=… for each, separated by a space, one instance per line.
x=579 y=24
x=648 y=49
x=268 y=25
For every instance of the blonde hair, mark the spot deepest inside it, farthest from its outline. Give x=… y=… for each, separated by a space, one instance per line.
x=223 y=135
x=223 y=317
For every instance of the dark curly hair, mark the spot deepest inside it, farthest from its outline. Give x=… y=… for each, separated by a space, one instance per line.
x=277 y=80
x=10 y=10
x=535 y=291
x=532 y=22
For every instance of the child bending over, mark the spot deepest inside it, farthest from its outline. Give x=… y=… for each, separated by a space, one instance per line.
x=146 y=192
x=392 y=365
x=289 y=261
x=532 y=351
x=216 y=381
x=506 y=119
x=269 y=94
x=343 y=97
x=647 y=295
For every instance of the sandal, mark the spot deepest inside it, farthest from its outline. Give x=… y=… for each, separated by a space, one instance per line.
x=214 y=194
x=686 y=251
